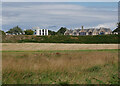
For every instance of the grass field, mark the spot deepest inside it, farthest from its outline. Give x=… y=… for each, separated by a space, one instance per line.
x=60 y=66
x=54 y=46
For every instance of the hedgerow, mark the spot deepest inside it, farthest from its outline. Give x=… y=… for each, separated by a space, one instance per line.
x=62 y=39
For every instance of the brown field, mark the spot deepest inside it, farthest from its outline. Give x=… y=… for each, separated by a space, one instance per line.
x=59 y=67
x=54 y=46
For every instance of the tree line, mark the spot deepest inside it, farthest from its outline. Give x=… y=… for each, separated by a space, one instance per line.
x=17 y=31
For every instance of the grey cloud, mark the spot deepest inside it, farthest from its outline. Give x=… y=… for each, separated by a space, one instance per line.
x=46 y=15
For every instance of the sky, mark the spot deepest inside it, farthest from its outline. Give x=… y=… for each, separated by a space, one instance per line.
x=53 y=15
x=60 y=0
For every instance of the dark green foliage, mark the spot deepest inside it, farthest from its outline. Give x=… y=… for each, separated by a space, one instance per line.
x=64 y=39
x=61 y=31
x=64 y=84
x=73 y=39
x=15 y=30
x=88 y=81
x=51 y=32
x=29 y=32
x=2 y=33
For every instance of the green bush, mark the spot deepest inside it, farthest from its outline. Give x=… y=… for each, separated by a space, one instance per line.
x=64 y=39
x=29 y=32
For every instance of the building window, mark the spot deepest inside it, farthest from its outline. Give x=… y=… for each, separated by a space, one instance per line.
x=90 y=33
x=74 y=33
x=102 y=33
x=82 y=33
x=40 y=32
x=66 y=33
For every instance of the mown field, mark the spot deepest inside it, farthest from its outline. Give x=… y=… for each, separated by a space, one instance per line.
x=54 y=46
x=60 y=67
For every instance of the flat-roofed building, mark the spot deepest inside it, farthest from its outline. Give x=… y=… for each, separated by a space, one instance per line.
x=41 y=32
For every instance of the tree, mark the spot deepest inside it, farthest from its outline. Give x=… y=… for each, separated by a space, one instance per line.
x=52 y=32
x=2 y=33
x=29 y=32
x=61 y=31
x=15 y=30
x=118 y=28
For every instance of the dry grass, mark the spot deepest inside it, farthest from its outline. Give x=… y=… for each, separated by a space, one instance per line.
x=56 y=67
x=54 y=46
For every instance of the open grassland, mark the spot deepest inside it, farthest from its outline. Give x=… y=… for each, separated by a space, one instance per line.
x=59 y=67
x=54 y=46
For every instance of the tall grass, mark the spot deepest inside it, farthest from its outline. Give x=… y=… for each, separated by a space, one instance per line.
x=60 y=67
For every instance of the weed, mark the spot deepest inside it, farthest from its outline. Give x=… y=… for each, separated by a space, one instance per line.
x=65 y=83
x=94 y=69
x=114 y=79
x=88 y=81
x=99 y=81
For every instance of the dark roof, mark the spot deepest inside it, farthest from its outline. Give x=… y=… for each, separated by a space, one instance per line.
x=117 y=30
x=90 y=29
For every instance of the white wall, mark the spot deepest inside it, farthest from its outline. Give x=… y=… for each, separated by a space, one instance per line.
x=37 y=32
x=41 y=32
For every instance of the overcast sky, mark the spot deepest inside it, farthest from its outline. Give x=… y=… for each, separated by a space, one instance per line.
x=59 y=0
x=54 y=15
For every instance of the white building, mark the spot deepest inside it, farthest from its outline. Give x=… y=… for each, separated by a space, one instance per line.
x=41 y=32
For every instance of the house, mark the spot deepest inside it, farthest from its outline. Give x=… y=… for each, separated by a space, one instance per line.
x=116 y=31
x=90 y=31
x=13 y=33
x=41 y=32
